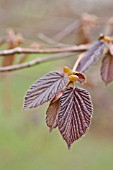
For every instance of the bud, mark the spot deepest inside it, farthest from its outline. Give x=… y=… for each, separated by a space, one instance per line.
x=105 y=38
x=68 y=71
x=73 y=78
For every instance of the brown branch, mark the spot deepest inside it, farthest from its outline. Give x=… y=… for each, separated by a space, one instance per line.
x=35 y=62
x=19 y=50
x=50 y=41
x=68 y=30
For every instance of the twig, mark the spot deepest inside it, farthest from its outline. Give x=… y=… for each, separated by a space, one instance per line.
x=78 y=61
x=68 y=30
x=35 y=62
x=50 y=41
x=19 y=50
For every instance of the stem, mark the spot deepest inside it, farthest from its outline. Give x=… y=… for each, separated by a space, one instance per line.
x=78 y=61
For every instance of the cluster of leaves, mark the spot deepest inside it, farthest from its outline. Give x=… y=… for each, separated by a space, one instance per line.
x=70 y=107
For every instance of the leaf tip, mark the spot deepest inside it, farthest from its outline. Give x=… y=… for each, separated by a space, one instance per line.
x=50 y=130
x=69 y=146
x=24 y=107
x=106 y=83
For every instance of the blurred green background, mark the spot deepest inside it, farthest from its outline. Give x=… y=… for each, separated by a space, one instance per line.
x=25 y=141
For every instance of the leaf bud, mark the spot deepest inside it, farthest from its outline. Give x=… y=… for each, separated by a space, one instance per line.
x=68 y=71
x=73 y=78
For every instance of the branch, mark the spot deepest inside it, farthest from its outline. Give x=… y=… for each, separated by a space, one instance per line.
x=62 y=34
x=19 y=50
x=68 y=30
x=50 y=41
x=35 y=62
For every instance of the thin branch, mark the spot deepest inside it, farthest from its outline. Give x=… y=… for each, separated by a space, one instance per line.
x=35 y=62
x=50 y=41
x=68 y=30
x=19 y=50
x=78 y=61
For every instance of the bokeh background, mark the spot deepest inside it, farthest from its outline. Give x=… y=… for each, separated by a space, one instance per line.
x=25 y=141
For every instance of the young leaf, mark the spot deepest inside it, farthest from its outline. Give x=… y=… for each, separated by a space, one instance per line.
x=44 y=89
x=82 y=77
x=91 y=56
x=111 y=48
x=52 y=114
x=107 y=68
x=74 y=114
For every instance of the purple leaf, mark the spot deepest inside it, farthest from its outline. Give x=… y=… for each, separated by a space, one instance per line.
x=44 y=89
x=91 y=56
x=107 y=68
x=74 y=114
x=111 y=48
x=81 y=76
x=52 y=115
